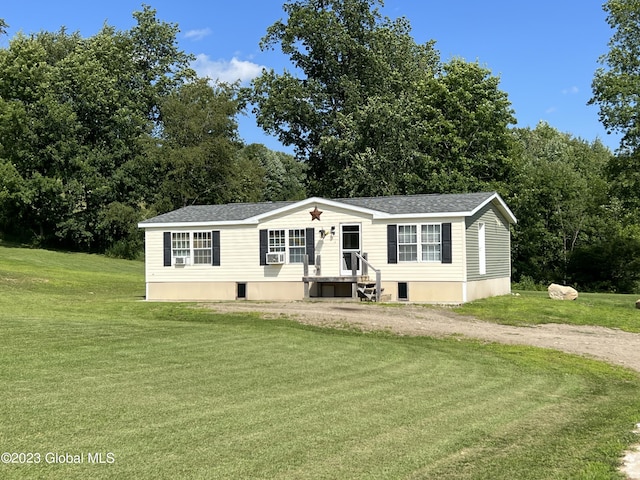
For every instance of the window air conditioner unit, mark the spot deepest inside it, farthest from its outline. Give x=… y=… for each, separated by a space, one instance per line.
x=181 y=261
x=275 y=258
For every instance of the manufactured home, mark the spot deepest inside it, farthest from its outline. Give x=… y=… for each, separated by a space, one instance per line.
x=451 y=248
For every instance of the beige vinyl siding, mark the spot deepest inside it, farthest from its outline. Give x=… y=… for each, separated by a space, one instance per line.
x=373 y=243
x=239 y=260
x=376 y=245
x=328 y=248
x=240 y=250
x=497 y=245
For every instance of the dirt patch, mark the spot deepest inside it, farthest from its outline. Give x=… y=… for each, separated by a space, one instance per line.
x=611 y=345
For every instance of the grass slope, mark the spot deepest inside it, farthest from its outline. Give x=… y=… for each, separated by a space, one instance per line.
x=530 y=308
x=174 y=391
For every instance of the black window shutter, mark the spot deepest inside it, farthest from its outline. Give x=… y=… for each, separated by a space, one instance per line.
x=167 y=249
x=446 y=243
x=310 y=243
x=264 y=246
x=215 y=248
x=392 y=244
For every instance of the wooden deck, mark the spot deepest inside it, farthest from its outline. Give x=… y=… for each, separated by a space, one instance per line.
x=361 y=284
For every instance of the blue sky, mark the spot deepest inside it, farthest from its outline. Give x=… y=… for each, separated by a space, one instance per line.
x=545 y=52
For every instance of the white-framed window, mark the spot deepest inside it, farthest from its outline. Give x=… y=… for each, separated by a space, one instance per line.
x=181 y=245
x=407 y=243
x=482 y=250
x=191 y=248
x=277 y=241
x=292 y=242
x=297 y=247
x=202 y=248
x=431 y=242
x=428 y=243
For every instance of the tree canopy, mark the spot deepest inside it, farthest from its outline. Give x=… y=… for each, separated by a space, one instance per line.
x=81 y=122
x=373 y=113
x=616 y=85
x=74 y=114
x=560 y=196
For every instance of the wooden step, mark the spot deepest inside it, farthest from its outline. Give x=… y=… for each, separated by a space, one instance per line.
x=367 y=291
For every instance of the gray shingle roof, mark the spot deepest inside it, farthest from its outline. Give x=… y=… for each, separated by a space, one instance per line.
x=427 y=203
x=393 y=205
x=217 y=213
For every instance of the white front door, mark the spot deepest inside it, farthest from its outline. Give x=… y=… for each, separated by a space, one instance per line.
x=349 y=242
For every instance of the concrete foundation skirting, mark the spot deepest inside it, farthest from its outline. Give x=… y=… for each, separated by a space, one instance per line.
x=218 y=291
x=427 y=292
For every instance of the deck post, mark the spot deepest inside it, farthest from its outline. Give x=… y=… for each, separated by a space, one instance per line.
x=305 y=272
x=354 y=272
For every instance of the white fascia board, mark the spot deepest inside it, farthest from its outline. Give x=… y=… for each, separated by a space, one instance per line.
x=501 y=206
x=196 y=224
x=414 y=216
x=309 y=202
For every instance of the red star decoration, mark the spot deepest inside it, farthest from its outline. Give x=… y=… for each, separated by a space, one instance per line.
x=315 y=214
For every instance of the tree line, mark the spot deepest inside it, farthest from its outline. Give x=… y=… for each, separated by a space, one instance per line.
x=99 y=133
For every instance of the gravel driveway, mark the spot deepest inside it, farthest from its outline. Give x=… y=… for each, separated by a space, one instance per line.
x=611 y=345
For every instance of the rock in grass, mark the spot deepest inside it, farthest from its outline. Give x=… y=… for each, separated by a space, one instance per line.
x=562 y=292
x=637 y=303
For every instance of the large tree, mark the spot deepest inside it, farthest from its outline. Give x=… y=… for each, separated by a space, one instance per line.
x=75 y=118
x=616 y=85
x=196 y=155
x=372 y=112
x=284 y=177
x=616 y=91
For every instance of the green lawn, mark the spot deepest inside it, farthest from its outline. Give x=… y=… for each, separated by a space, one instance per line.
x=529 y=308
x=173 y=391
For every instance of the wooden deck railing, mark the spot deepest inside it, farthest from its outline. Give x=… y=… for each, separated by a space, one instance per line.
x=354 y=278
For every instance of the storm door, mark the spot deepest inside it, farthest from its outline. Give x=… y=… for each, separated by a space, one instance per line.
x=349 y=242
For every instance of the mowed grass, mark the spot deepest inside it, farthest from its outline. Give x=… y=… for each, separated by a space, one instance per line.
x=177 y=391
x=531 y=308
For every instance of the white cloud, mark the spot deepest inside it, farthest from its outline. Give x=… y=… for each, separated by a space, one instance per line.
x=551 y=110
x=197 y=34
x=226 y=70
x=570 y=91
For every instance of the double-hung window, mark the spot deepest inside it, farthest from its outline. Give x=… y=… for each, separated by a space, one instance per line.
x=407 y=243
x=297 y=249
x=431 y=243
x=202 y=248
x=277 y=241
x=181 y=245
x=425 y=239
x=291 y=243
